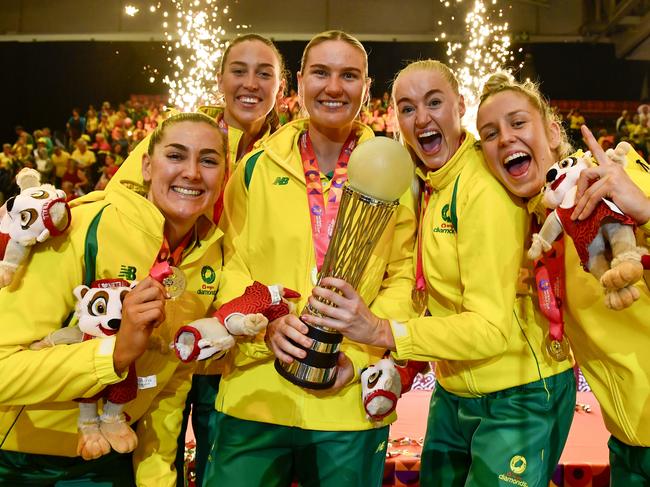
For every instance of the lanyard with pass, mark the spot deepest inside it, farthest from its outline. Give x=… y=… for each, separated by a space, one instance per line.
x=323 y=217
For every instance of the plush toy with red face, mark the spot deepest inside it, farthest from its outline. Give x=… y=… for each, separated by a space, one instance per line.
x=38 y=212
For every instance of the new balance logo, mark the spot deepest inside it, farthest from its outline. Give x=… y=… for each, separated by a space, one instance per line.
x=127 y=272
x=281 y=181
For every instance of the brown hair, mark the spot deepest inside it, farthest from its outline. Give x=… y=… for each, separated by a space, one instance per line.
x=159 y=132
x=333 y=35
x=272 y=118
x=503 y=81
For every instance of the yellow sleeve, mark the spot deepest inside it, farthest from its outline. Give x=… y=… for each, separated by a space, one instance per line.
x=158 y=430
x=37 y=304
x=490 y=236
x=394 y=298
x=236 y=276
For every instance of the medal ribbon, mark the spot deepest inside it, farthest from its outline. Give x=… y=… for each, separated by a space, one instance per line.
x=217 y=210
x=174 y=258
x=323 y=217
x=550 y=284
x=420 y=283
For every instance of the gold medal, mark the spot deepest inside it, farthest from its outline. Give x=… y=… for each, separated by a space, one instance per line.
x=557 y=349
x=175 y=283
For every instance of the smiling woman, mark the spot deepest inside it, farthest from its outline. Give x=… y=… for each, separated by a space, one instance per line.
x=118 y=233
x=521 y=140
x=184 y=169
x=521 y=137
x=280 y=208
x=251 y=80
x=501 y=401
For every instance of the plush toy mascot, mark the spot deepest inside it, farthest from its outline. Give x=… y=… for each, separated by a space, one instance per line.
x=383 y=383
x=246 y=315
x=38 y=212
x=605 y=242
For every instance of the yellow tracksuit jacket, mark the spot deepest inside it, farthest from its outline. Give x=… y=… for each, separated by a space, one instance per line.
x=612 y=347
x=131 y=170
x=483 y=336
x=269 y=239
x=37 y=411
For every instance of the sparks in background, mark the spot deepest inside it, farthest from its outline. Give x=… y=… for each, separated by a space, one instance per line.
x=485 y=48
x=194 y=41
x=194 y=50
x=131 y=10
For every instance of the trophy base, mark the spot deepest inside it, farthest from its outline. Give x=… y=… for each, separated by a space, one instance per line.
x=317 y=370
x=298 y=374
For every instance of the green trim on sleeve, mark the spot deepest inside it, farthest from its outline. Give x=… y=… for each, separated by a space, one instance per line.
x=250 y=166
x=90 y=249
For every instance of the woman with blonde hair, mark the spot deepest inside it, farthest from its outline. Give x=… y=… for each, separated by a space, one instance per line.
x=521 y=139
x=279 y=204
x=502 y=406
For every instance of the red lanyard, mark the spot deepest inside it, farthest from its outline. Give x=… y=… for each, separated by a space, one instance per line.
x=420 y=283
x=550 y=283
x=217 y=210
x=323 y=217
x=174 y=258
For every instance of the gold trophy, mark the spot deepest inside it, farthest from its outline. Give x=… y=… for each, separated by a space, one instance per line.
x=379 y=172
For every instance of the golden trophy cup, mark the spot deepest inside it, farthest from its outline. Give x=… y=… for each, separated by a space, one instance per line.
x=379 y=172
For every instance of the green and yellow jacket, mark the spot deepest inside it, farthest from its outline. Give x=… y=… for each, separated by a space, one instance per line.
x=484 y=336
x=269 y=239
x=131 y=170
x=37 y=409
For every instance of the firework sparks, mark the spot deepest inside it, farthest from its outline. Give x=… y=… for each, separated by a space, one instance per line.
x=131 y=10
x=195 y=53
x=487 y=49
x=194 y=45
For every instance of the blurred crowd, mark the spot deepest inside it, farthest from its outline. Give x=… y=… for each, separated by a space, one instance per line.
x=85 y=155
x=632 y=127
